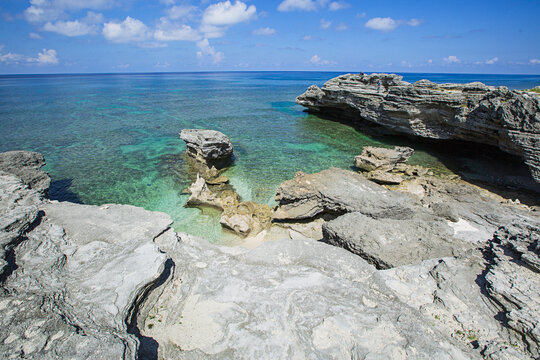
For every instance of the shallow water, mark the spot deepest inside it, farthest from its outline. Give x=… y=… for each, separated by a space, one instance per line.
x=114 y=138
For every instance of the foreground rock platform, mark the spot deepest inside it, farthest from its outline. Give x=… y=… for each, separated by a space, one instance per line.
x=509 y=120
x=116 y=282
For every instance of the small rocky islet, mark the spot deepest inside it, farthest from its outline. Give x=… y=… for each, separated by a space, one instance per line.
x=384 y=261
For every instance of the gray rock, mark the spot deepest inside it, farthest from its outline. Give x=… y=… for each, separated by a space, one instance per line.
x=80 y=273
x=26 y=166
x=388 y=243
x=384 y=178
x=472 y=112
x=376 y=158
x=210 y=147
x=513 y=281
x=284 y=299
x=336 y=191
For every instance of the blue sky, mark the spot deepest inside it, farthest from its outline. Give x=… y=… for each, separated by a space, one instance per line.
x=82 y=36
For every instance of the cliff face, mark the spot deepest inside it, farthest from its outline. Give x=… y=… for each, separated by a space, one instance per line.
x=472 y=112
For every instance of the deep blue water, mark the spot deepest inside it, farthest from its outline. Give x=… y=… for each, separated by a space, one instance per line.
x=113 y=138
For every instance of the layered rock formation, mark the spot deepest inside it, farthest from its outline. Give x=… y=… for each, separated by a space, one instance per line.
x=209 y=147
x=116 y=282
x=472 y=112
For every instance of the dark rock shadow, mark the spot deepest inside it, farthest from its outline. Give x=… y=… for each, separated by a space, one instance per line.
x=60 y=191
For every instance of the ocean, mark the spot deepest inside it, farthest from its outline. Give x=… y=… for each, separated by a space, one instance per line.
x=113 y=138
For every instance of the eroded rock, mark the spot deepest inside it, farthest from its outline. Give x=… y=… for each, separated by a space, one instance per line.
x=382 y=159
x=209 y=147
x=471 y=112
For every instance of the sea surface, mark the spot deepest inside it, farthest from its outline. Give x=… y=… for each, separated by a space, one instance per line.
x=113 y=138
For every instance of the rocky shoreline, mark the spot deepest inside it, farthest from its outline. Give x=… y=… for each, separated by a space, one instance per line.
x=388 y=261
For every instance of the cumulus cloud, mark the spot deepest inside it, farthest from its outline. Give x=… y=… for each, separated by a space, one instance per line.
x=451 y=59
x=492 y=61
x=337 y=5
x=168 y=31
x=291 y=5
x=206 y=49
x=325 y=24
x=316 y=60
x=50 y=10
x=45 y=57
x=534 y=61
x=264 y=31
x=225 y=13
x=35 y=36
x=382 y=24
x=180 y=11
x=388 y=24
x=129 y=30
x=85 y=26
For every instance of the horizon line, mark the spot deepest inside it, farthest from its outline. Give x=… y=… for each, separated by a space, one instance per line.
x=257 y=71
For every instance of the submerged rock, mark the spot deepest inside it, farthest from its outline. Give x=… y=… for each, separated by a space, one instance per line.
x=209 y=147
x=509 y=120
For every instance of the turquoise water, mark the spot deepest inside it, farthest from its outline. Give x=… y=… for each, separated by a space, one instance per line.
x=114 y=138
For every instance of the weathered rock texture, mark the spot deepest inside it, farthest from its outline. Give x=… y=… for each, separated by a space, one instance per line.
x=26 y=166
x=283 y=300
x=209 y=147
x=73 y=272
x=376 y=158
x=472 y=112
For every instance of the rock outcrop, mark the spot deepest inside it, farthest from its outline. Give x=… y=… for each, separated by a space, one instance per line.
x=382 y=159
x=71 y=274
x=472 y=112
x=284 y=299
x=209 y=147
x=26 y=166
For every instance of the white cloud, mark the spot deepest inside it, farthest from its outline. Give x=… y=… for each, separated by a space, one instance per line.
x=388 y=24
x=337 y=5
x=382 y=24
x=10 y=58
x=414 y=22
x=211 y=31
x=303 y=5
x=361 y=15
x=492 y=61
x=50 y=10
x=451 y=59
x=162 y=64
x=316 y=60
x=129 y=30
x=180 y=11
x=167 y=31
x=430 y=62
x=307 y=38
x=206 y=49
x=35 y=36
x=46 y=57
x=264 y=31
x=168 y=2
x=85 y=26
x=225 y=13
x=341 y=27
x=325 y=24
x=152 y=45
x=534 y=61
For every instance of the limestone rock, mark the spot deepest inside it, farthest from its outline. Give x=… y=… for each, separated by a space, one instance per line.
x=472 y=112
x=246 y=218
x=387 y=243
x=336 y=191
x=202 y=195
x=283 y=299
x=384 y=178
x=26 y=166
x=376 y=158
x=209 y=147
x=513 y=280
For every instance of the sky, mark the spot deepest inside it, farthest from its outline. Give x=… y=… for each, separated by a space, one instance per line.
x=109 y=36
